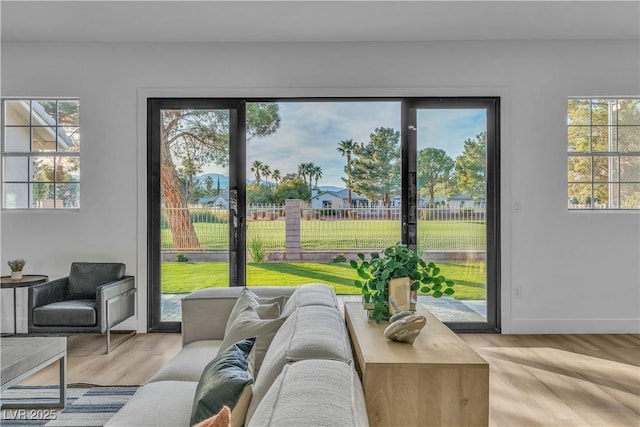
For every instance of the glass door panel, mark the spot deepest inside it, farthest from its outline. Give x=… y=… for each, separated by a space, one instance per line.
x=323 y=186
x=456 y=207
x=194 y=204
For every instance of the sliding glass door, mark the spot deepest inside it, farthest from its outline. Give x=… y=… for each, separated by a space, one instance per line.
x=257 y=192
x=455 y=144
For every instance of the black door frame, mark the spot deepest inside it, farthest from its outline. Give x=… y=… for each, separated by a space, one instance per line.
x=237 y=189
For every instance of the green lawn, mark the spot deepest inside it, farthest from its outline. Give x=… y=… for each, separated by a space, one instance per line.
x=345 y=234
x=184 y=277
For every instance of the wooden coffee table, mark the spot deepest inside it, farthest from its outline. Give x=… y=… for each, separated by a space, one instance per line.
x=437 y=381
x=21 y=357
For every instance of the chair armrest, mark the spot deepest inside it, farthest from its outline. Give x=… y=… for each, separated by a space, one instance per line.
x=48 y=292
x=113 y=289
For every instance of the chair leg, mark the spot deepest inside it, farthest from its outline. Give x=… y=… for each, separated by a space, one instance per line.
x=126 y=334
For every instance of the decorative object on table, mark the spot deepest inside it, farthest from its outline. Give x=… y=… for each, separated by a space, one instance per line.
x=398 y=314
x=16 y=266
x=406 y=329
x=395 y=262
x=400 y=292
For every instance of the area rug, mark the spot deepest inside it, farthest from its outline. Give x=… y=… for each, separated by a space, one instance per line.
x=86 y=406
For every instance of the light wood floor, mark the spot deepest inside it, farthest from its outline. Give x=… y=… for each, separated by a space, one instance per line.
x=536 y=380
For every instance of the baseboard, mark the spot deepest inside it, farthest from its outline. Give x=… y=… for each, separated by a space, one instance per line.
x=575 y=326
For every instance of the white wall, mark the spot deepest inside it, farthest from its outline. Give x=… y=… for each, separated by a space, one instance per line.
x=578 y=271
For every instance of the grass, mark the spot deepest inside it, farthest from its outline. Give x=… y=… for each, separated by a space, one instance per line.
x=363 y=234
x=185 y=277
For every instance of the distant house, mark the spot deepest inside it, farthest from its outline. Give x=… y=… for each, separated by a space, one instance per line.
x=221 y=200
x=337 y=200
x=463 y=201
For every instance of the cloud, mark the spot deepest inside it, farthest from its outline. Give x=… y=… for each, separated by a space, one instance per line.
x=311 y=131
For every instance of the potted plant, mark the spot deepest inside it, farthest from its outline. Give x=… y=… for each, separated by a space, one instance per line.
x=16 y=266
x=396 y=262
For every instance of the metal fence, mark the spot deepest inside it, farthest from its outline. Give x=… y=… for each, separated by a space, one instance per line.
x=336 y=229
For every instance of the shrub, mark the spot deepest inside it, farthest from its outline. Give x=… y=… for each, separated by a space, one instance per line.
x=181 y=258
x=339 y=258
x=256 y=248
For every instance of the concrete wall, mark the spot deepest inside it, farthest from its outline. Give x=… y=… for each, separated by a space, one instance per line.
x=575 y=271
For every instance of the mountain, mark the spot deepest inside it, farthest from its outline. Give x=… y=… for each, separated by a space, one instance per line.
x=224 y=180
x=330 y=188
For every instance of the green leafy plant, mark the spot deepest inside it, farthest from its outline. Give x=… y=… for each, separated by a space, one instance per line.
x=181 y=258
x=395 y=262
x=256 y=248
x=16 y=264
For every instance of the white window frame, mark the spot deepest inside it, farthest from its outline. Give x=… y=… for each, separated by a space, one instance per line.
x=56 y=155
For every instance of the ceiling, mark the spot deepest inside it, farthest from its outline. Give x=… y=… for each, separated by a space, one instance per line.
x=315 y=21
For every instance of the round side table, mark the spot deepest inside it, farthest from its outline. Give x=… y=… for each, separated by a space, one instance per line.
x=27 y=280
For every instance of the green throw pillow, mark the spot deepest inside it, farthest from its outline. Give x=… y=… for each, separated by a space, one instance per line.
x=225 y=381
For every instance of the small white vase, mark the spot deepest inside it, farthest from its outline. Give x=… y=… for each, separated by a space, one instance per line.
x=16 y=275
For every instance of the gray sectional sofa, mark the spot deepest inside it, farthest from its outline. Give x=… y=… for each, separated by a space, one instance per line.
x=307 y=377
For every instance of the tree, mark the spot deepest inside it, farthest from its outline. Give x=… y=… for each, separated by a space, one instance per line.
x=316 y=172
x=470 y=175
x=256 y=168
x=266 y=171
x=434 y=167
x=346 y=148
x=203 y=137
x=292 y=189
x=259 y=194
x=276 y=176
x=375 y=171
x=304 y=169
x=208 y=185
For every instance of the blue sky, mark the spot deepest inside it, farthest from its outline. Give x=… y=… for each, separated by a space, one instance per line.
x=311 y=132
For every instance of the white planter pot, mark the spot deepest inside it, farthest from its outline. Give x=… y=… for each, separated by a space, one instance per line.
x=16 y=275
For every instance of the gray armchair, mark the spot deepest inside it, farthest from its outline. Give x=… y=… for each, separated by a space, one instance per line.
x=93 y=298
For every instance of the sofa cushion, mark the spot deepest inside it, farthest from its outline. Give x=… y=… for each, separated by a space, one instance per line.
x=249 y=299
x=158 y=404
x=310 y=294
x=225 y=381
x=309 y=333
x=313 y=393
x=248 y=324
x=80 y=312
x=189 y=363
x=85 y=277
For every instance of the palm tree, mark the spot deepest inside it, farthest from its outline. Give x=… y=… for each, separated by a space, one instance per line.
x=276 y=176
x=317 y=173
x=256 y=167
x=266 y=171
x=347 y=147
x=303 y=170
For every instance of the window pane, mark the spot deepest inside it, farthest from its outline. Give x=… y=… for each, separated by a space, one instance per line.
x=16 y=196
x=69 y=113
x=629 y=112
x=44 y=139
x=630 y=169
x=42 y=195
x=16 y=169
x=630 y=196
x=16 y=113
x=43 y=113
x=67 y=195
x=16 y=139
x=42 y=169
x=578 y=138
x=600 y=137
x=600 y=196
x=580 y=196
x=602 y=112
x=69 y=139
x=578 y=112
x=605 y=169
x=579 y=169
x=67 y=169
x=629 y=139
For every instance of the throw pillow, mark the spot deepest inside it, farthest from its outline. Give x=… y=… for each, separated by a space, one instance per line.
x=225 y=381
x=247 y=299
x=268 y=311
x=249 y=324
x=221 y=419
